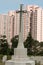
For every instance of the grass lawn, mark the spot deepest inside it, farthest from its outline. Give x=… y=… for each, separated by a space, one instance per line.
x=1 y=63
x=8 y=57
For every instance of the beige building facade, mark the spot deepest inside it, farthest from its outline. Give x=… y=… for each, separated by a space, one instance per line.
x=6 y=26
x=32 y=21
x=26 y=23
x=36 y=22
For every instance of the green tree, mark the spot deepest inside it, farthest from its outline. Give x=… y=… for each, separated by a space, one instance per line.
x=35 y=47
x=4 y=49
x=40 y=49
x=32 y=45
x=10 y=51
x=4 y=45
x=14 y=41
x=28 y=41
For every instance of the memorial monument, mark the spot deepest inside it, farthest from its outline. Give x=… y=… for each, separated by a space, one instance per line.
x=20 y=53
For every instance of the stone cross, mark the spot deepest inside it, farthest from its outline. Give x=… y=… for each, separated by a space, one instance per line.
x=20 y=44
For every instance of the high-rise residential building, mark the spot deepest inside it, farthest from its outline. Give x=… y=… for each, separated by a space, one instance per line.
x=6 y=26
x=26 y=23
x=15 y=22
x=32 y=21
x=36 y=22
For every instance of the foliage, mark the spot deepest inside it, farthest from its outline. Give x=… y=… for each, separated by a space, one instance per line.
x=34 y=47
x=3 y=45
x=14 y=41
x=10 y=51
x=8 y=57
x=1 y=56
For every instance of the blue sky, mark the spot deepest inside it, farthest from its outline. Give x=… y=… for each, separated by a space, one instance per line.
x=7 y=5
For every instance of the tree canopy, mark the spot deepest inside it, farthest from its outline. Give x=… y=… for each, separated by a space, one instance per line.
x=34 y=47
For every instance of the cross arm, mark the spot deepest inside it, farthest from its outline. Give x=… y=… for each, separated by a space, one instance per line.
x=24 y=11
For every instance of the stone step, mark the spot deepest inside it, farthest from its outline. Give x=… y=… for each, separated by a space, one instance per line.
x=22 y=52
